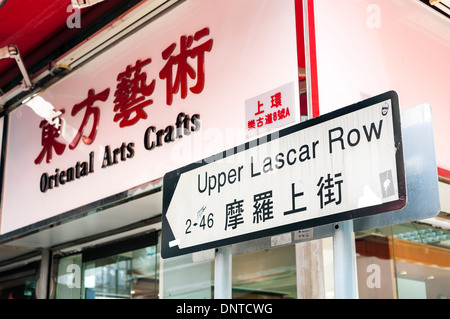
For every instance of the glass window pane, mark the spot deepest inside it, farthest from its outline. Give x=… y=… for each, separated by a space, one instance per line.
x=108 y=277
x=422 y=256
x=19 y=283
x=269 y=273
x=375 y=265
x=145 y=279
x=68 y=282
x=130 y=275
x=404 y=261
x=184 y=278
x=21 y=288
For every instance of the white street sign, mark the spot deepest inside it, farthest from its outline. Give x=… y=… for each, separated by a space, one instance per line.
x=343 y=165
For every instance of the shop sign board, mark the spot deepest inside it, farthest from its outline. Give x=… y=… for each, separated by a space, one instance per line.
x=343 y=165
x=170 y=93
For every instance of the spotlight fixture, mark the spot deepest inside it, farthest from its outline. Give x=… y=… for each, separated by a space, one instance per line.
x=7 y=51
x=11 y=51
x=79 y=4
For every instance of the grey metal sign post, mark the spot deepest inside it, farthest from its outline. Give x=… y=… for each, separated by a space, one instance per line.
x=344 y=255
x=222 y=273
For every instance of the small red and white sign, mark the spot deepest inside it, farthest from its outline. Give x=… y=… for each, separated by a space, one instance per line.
x=273 y=109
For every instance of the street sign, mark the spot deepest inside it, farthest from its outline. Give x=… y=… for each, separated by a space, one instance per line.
x=342 y=165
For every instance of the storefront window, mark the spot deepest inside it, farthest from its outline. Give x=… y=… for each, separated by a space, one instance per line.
x=187 y=277
x=105 y=273
x=130 y=275
x=68 y=283
x=397 y=262
x=265 y=274
x=260 y=274
x=422 y=255
x=407 y=261
x=19 y=283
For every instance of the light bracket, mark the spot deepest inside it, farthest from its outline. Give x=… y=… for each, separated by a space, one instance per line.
x=79 y=4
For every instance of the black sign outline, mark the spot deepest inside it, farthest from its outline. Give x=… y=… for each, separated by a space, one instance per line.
x=171 y=178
